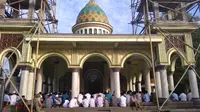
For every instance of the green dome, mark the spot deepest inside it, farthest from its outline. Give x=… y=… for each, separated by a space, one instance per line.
x=92 y=13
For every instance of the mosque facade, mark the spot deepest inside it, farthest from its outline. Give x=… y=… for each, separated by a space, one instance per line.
x=93 y=60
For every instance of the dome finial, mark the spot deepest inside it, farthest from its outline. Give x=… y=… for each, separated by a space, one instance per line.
x=92 y=1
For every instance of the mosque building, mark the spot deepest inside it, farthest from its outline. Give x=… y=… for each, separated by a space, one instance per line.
x=93 y=60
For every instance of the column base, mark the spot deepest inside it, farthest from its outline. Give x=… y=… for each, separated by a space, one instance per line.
x=196 y=102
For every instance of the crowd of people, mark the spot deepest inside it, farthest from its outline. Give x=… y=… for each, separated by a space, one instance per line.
x=64 y=100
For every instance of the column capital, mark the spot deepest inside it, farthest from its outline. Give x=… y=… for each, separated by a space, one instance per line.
x=116 y=69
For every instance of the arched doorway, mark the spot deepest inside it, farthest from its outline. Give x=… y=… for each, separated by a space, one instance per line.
x=95 y=75
x=9 y=62
x=57 y=76
x=175 y=73
x=94 y=81
x=137 y=72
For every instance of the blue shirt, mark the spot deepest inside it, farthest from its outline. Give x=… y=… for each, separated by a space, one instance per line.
x=108 y=97
x=174 y=97
x=146 y=97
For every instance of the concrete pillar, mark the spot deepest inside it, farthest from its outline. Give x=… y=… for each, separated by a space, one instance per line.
x=131 y=83
x=39 y=80
x=139 y=86
x=158 y=81
x=193 y=83
x=139 y=82
x=170 y=79
x=75 y=82
x=164 y=83
x=49 y=84
x=147 y=80
x=44 y=84
x=30 y=86
x=116 y=80
x=106 y=77
x=24 y=82
x=111 y=81
x=2 y=8
x=31 y=9
x=55 y=84
x=156 y=11
x=134 y=82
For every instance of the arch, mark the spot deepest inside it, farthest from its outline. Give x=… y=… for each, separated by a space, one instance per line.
x=6 y=51
x=180 y=54
x=146 y=58
x=95 y=31
x=45 y=56
x=87 y=56
x=85 y=31
x=90 y=31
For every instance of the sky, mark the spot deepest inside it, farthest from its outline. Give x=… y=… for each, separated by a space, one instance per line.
x=117 y=11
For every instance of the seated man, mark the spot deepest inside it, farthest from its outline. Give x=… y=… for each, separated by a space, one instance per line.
x=183 y=97
x=174 y=97
x=146 y=97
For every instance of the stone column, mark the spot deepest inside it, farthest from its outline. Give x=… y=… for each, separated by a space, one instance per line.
x=134 y=81
x=111 y=81
x=49 y=84
x=75 y=82
x=31 y=9
x=147 y=80
x=2 y=8
x=139 y=82
x=164 y=83
x=24 y=81
x=116 y=79
x=193 y=83
x=139 y=86
x=44 y=84
x=158 y=82
x=131 y=83
x=170 y=79
x=55 y=84
x=106 y=77
x=39 y=80
x=30 y=85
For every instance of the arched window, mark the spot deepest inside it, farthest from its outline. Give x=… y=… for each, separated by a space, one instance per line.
x=77 y=32
x=100 y=31
x=90 y=31
x=95 y=31
x=81 y=31
x=104 y=32
x=85 y=31
x=107 y=32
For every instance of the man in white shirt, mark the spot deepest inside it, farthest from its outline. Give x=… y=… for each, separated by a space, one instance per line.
x=183 y=97
x=86 y=102
x=80 y=99
x=65 y=104
x=189 y=96
x=99 y=101
x=88 y=96
x=73 y=103
x=92 y=102
x=139 y=96
x=13 y=98
x=122 y=101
